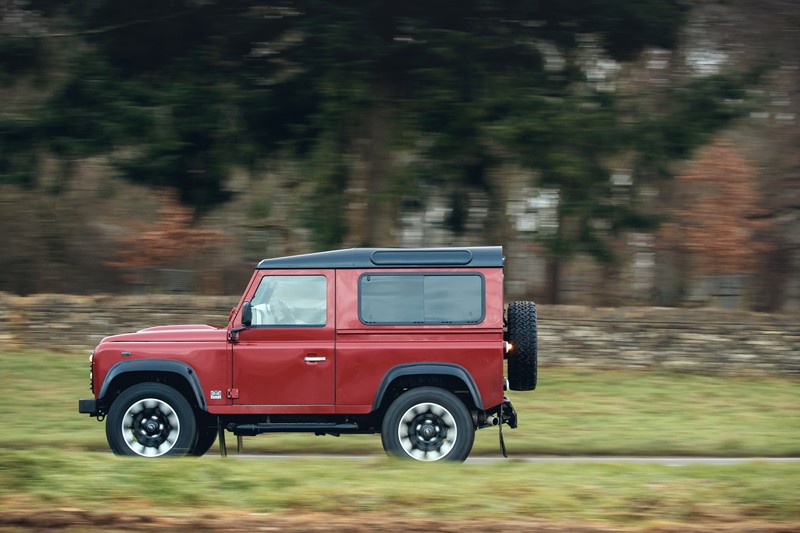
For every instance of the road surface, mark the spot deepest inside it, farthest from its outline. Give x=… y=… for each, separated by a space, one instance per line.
x=668 y=461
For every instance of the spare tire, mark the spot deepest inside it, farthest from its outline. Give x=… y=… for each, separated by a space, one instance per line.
x=521 y=334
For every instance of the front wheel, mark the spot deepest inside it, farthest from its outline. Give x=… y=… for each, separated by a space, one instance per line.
x=428 y=424
x=151 y=420
x=206 y=436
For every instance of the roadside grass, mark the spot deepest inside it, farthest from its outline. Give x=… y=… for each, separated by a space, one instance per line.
x=572 y=412
x=52 y=457
x=631 y=495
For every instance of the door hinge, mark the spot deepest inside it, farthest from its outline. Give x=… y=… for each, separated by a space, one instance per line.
x=233 y=394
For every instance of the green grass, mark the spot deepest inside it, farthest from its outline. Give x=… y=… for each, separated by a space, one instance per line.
x=50 y=456
x=614 y=493
x=572 y=412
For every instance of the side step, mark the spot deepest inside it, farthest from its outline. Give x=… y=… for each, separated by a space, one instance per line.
x=256 y=429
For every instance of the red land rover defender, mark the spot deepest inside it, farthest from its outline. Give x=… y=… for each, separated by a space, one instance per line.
x=408 y=343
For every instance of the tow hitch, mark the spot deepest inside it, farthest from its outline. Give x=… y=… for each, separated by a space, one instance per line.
x=507 y=414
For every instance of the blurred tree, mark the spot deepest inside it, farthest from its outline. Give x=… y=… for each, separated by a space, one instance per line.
x=466 y=87
x=720 y=221
x=469 y=87
x=179 y=91
x=170 y=241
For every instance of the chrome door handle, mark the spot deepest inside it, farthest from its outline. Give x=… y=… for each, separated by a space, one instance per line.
x=315 y=359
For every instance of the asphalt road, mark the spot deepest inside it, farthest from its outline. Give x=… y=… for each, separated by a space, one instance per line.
x=668 y=461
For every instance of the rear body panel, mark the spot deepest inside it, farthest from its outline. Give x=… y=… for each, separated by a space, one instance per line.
x=366 y=353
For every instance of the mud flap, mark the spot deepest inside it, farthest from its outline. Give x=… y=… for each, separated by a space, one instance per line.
x=502 y=441
x=223 y=449
x=507 y=416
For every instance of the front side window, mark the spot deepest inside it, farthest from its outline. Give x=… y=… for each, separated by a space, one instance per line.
x=424 y=298
x=290 y=301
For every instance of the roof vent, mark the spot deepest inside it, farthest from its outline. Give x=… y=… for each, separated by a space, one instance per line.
x=421 y=257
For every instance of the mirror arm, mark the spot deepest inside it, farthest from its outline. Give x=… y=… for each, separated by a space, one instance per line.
x=247 y=318
x=235 y=333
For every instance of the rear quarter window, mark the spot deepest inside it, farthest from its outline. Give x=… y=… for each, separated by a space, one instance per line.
x=421 y=298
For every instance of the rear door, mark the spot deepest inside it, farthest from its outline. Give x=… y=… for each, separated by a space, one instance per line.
x=286 y=358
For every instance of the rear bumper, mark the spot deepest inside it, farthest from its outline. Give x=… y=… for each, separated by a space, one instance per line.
x=507 y=414
x=88 y=406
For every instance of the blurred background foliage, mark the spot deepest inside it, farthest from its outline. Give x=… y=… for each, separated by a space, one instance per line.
x=293 y=126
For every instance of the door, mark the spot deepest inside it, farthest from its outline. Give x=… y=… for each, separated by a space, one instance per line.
x=286 y=358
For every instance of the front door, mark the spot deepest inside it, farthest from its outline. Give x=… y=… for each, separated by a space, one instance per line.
x=286 y=358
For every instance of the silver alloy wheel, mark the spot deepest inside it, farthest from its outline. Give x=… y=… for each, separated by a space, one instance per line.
x=150 y=427
x=427 y=432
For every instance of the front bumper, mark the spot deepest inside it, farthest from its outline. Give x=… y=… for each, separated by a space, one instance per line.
x=88 y=406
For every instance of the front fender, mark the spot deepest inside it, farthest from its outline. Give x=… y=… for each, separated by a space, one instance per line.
x=156 y=365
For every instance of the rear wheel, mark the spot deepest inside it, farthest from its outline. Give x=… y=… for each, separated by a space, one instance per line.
x=151 y=420
x=522 y=359
x=428 y=424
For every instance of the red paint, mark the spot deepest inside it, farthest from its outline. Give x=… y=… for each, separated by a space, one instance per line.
x=279 y=369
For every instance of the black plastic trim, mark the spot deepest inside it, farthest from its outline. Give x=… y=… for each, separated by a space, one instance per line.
x=88 y=406
x=509 y=414
x=402 y=257
x=474 y=256
x=156 y=365
x=422 y=369
x=289 y=427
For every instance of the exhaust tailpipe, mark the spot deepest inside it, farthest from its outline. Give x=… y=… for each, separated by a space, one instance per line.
x=492 y=421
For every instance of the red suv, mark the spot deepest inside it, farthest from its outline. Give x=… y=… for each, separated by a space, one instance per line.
x=408 y=343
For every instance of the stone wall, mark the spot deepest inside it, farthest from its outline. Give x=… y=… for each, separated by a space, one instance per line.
x=71 y=322
x=710 y=341
x=688 y=340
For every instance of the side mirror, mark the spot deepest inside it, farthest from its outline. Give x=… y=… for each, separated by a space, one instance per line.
x=247 y=314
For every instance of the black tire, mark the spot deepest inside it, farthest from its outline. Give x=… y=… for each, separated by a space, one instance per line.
x=206 y=437
x=522 y=359
x=151 y=420
x=428 y=424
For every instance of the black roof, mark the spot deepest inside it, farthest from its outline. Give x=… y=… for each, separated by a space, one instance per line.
x=475 y=256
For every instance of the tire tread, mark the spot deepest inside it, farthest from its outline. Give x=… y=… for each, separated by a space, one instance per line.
x=522 y=334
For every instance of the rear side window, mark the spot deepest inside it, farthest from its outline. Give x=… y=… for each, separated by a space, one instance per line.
x=421 y=298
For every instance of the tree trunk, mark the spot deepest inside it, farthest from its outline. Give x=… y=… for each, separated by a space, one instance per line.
x=553 y=281
x=370 y=209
